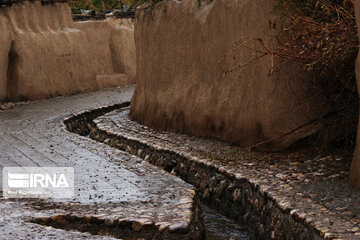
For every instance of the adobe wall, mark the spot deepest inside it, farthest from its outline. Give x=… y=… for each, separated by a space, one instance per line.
x=122 y=45
x=5 y=43
x=181 y=84
x=119 y=36
x=51 y=55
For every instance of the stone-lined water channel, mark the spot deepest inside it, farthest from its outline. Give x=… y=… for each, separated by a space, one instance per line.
x=117 y=194
x=218 y=226
x=259 y=190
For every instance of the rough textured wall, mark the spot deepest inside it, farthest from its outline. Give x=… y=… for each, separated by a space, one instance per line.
x=355 y=166
x=5 y=43
x=180 y=83
x=122 y=45
x=118 y=35
x=50 y=55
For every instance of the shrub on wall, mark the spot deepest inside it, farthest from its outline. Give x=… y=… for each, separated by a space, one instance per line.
x=321 y=35
x=77 y=5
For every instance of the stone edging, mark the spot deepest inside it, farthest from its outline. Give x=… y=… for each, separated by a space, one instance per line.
x=233 y=194
x=82 y=124
x=124 y=228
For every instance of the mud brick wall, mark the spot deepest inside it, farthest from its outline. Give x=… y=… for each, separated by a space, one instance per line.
x=43 y=53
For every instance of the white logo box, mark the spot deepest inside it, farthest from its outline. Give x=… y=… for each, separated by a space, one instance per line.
x=38 y=182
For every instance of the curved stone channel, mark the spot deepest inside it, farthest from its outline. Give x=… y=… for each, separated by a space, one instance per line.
x=252 y=190
x=37 y=135
x=117 y=194
x=217 y=226
x=242 y=188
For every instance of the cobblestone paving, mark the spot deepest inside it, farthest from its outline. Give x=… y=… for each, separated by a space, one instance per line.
x=311 y=186
x=110 y=185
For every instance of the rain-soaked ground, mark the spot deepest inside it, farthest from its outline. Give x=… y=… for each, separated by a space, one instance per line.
x=32 y=134
x=220 y=227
